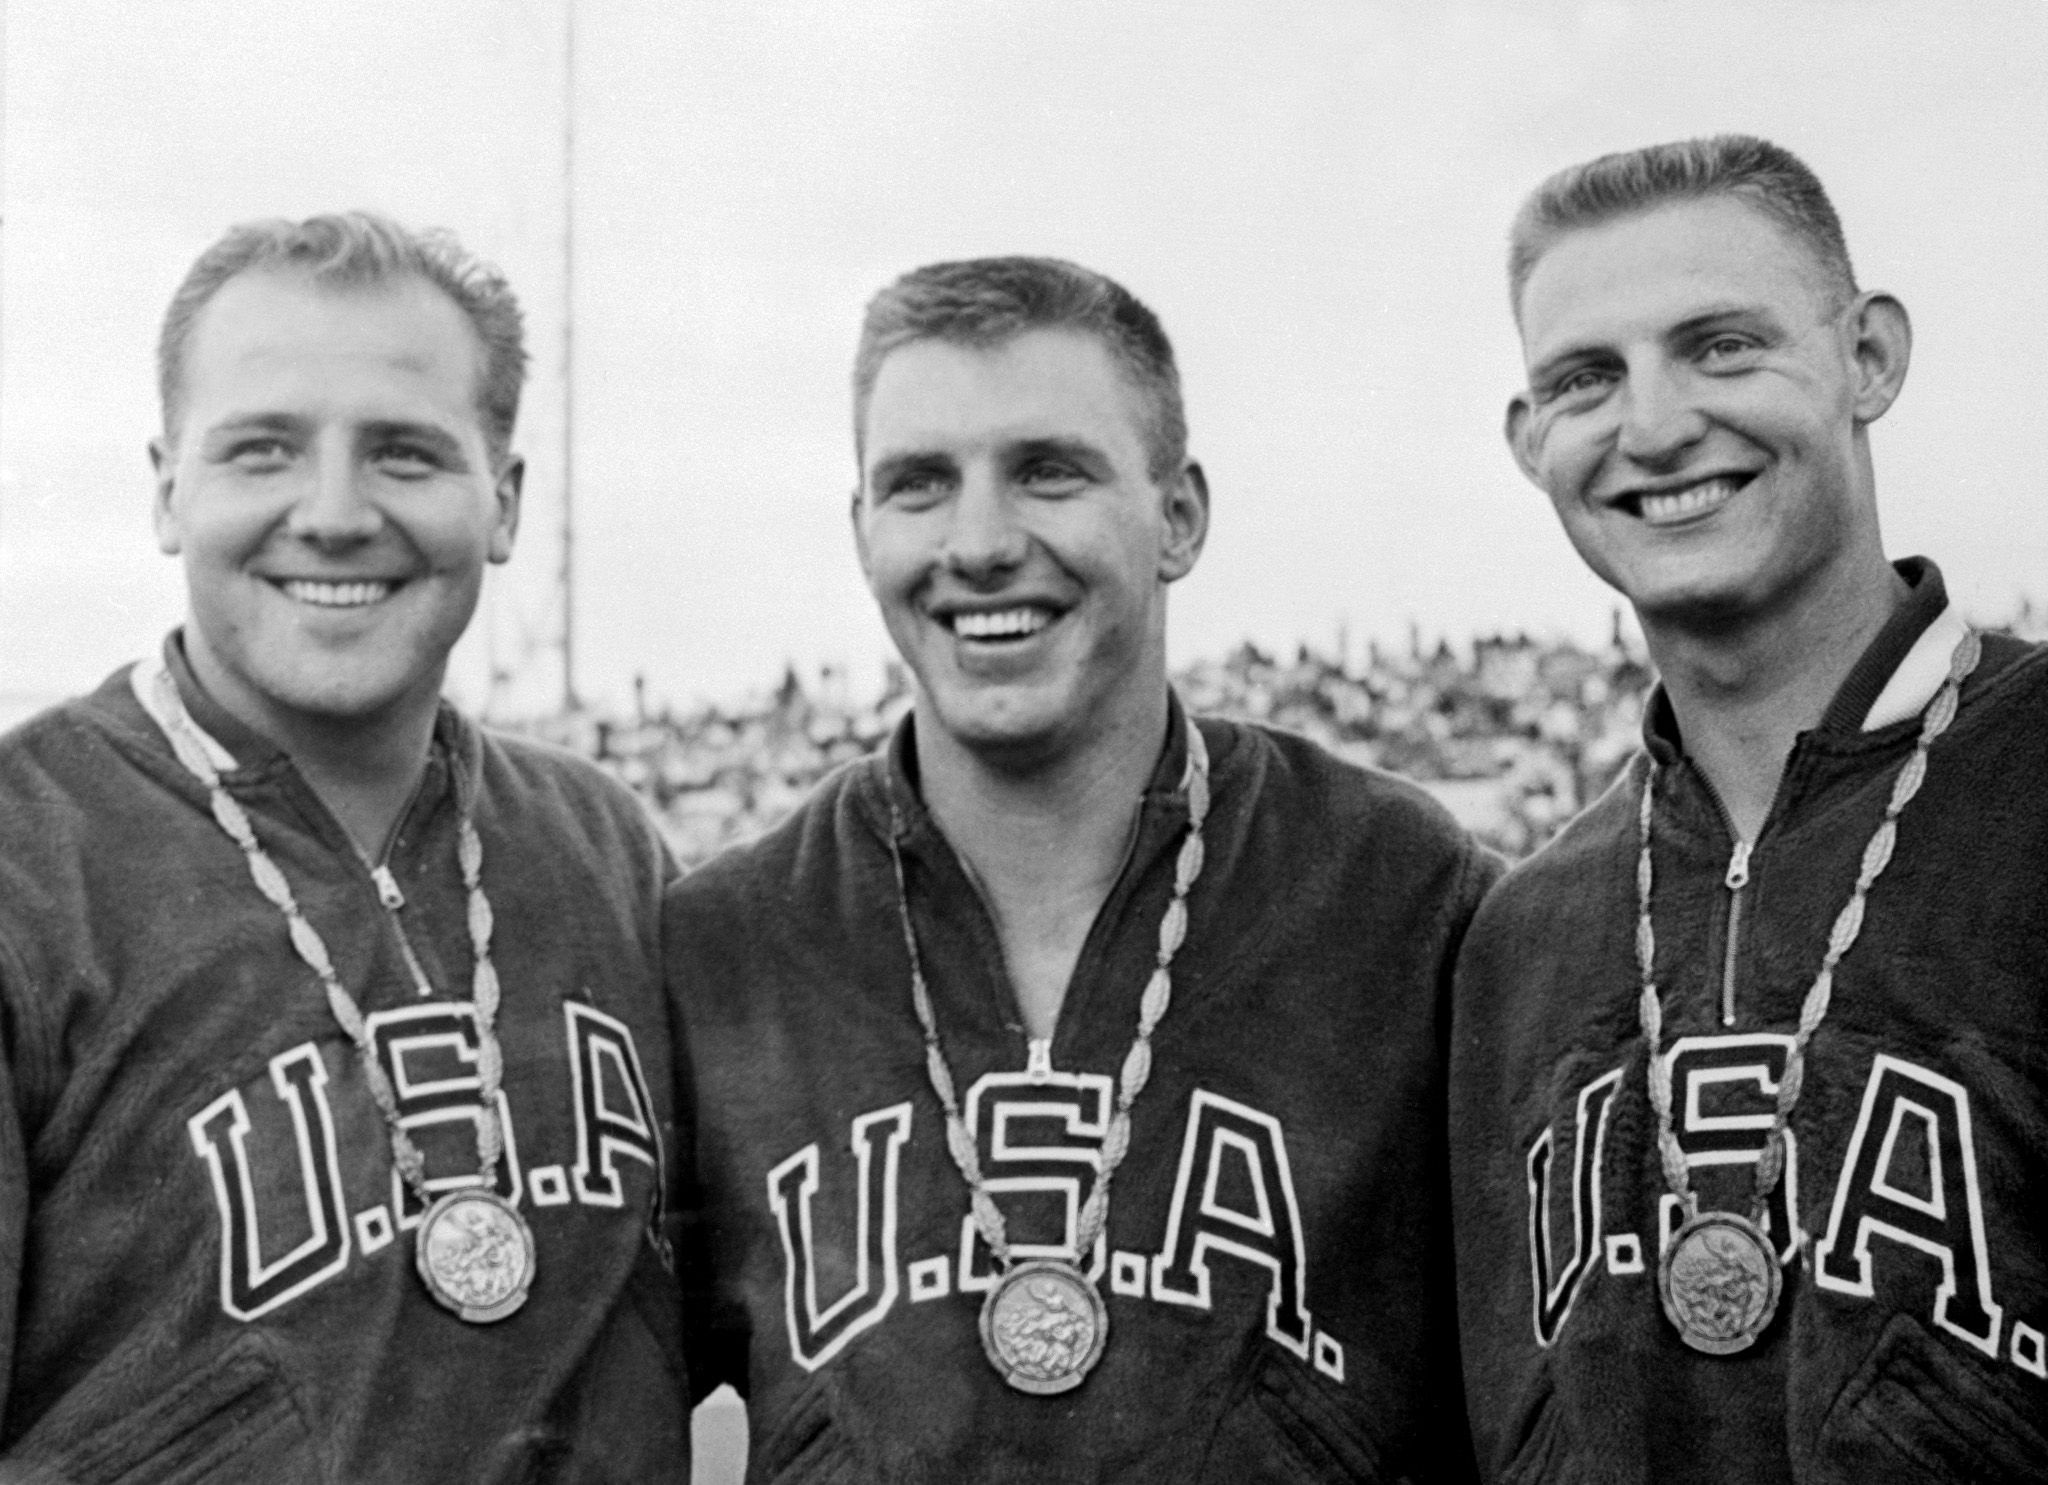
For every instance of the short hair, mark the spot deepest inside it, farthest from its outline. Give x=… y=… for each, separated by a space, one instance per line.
x=1756 y=172
x=984 y=302
x=353 y=250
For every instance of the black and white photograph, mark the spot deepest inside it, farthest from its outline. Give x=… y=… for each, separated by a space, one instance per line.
x=922 y=741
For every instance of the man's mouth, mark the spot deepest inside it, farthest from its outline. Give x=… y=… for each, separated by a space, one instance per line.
x=1672 y=507
x=357 y=594
x=999 y=624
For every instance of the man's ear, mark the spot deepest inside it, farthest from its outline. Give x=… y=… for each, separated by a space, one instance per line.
x=163 y=463
x=1516 y=428
x=1881 y=346
x=860 y=535
x=1187 y=522
x=506 y=490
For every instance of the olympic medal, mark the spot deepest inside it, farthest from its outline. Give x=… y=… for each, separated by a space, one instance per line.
x=476 y=1254
x=1719 y=1280
x=1043 y=1326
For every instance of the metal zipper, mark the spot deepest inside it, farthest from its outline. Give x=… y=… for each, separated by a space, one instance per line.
x=393 y=900
x=1736 y=879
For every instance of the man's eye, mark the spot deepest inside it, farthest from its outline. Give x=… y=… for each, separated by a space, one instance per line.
x=257 y=455
x=1582 y=382
x=1051 y=476
x=406 y=460
x=1725 y=348
x=915 y=486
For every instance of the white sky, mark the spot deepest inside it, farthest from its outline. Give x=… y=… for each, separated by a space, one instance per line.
x=1312 y=195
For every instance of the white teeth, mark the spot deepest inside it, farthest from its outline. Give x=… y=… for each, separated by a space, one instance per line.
x=1005 y=623
x=337 y=595
x=1679 y=505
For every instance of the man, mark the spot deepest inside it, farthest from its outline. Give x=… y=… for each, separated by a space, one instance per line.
x=333 y=1103
x=1070 y=1075
x=1749 y=1135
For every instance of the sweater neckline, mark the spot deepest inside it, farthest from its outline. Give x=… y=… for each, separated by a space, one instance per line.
x=239 y=751
x=1892 y=680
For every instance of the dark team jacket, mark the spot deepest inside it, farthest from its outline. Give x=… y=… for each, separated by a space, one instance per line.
x=206 y=1263
x=1276 y=1263
x=1908 y=1343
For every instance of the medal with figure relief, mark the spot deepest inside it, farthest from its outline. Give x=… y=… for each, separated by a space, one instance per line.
x=1719 y=1281
x=1043 y=1326
x=475 y=1253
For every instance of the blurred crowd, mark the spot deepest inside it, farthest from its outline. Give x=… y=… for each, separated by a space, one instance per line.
x=1512 y=734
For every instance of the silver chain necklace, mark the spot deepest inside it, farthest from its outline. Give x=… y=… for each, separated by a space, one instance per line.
x=473 y=1250
x=1044 y=1324
x=1719 y=1276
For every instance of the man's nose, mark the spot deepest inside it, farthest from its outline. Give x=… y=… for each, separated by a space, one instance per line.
x=337 y=506
x=1659 y=417
x=985 y=538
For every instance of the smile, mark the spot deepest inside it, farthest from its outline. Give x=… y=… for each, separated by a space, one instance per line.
x=337 y=595
x=1670 y=507
x=1002 y=623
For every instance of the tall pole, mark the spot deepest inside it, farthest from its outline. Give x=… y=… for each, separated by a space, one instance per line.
x=568 y=578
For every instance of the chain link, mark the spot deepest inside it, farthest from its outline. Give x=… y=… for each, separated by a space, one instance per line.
x=1877 y=855
x=312 y=949
x=1137 y=1064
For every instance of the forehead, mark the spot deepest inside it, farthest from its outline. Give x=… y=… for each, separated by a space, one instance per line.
x=277 y=340
x=941 y=396
x=1642 y=274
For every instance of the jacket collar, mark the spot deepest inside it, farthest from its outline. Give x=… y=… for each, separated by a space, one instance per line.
x=1896 y=675
x=892 y=779
x=235 y=748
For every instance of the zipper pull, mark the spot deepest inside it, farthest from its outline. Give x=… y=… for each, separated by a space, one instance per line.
x=1738 y=867
x=387 y=888
x=1038 y=1059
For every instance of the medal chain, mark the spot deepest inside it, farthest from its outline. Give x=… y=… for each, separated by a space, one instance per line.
x=1137 y=1064
x=312 y=950
x=1877 y=855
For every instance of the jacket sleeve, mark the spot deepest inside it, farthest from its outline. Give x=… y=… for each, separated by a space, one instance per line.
x=15 y=1052
x=1453 y=1462
x=715 y=1329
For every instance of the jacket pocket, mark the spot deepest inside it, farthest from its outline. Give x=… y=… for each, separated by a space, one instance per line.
x=1917 y=1412
x=807 y=1446
x=229 y=1422
x=1286 y=1425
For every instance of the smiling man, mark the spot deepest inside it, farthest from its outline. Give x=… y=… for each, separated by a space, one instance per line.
x=1749 y=1124
x=1071 y=1074
x=335 y=1087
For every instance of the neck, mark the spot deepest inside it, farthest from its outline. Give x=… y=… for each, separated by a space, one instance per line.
x=364 y=769
x=368 y=785
x=1044 y=844
x=1744 y=691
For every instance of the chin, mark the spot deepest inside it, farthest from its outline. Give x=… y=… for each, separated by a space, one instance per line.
x=1001 y=727
x=340 y=698
x=1697 y=602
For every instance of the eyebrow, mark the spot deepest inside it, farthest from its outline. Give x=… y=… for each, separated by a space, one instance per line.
x=1553 y=365
x=1076 y=450
x=1687 y=328
x=437 y=438
x=241 y=423
x=1709 y=319
x=889 y=466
